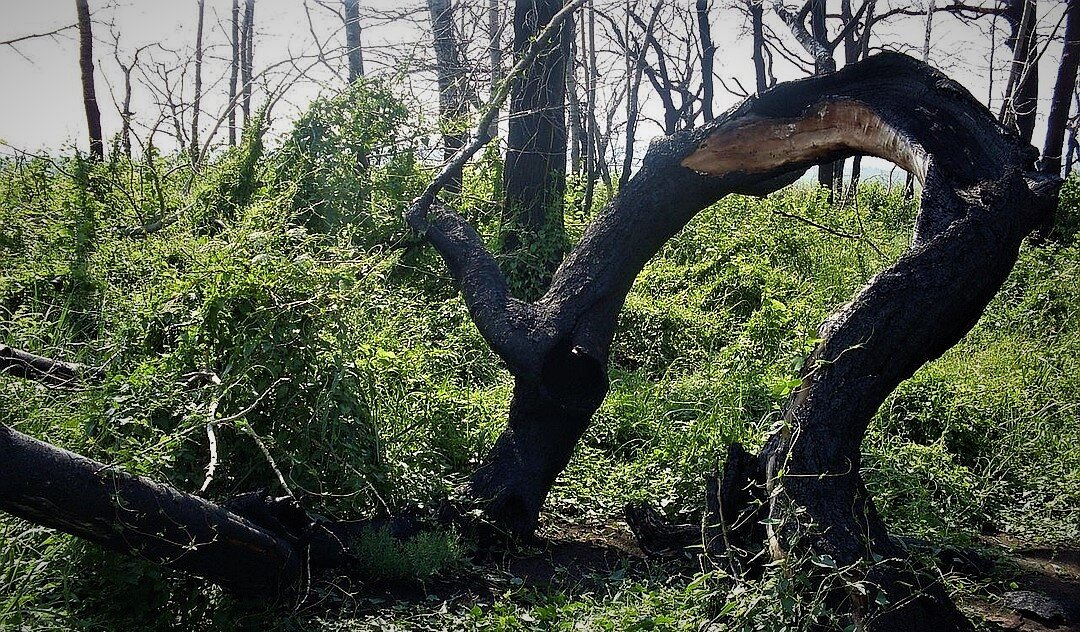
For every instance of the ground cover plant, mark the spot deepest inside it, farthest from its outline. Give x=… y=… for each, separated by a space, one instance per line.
x=335 y=361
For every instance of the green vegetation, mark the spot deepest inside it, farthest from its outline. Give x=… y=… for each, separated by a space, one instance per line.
x=284 y=286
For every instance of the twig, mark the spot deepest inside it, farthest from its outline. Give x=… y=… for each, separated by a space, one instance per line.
x=830 y=230
x=211 y=434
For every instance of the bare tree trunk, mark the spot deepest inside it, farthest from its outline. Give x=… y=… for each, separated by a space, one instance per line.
x=130 y=514
x=863 y=53
x=594 y=152
x=534 y=177
x=577 y=127
x=125 y=108
x=494 y=30
x=635 y=67
x=823 y=64
x=708 y=52
x=352 y=39
x=1064 y=87
x=453 y=106
x=86 y=68
x=234 y=67
x=247 y=51
x=197 y=102
x=1022 y=91
x=757 y=30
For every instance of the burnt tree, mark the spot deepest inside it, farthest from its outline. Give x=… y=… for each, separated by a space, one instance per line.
x=355 y=49
x=86 y=72
x=453 y=83
x=981 y=197
x=1064 y=86
x=534 y=176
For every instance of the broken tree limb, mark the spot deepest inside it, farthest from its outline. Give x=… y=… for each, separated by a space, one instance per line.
x=47 y=371
x=55 y=488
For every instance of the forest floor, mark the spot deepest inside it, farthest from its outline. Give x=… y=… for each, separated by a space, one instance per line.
x=572 y=559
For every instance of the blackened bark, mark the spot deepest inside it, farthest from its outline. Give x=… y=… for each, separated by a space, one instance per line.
x=247 y=52
x=45 y=370
x=1022 y=91
x=196 y=104
x=757 y=31
x=1064 y=87
x=86 y=71
x=823 y=63
x=534 y=176
x=130 y=514
x=980 y=199
x=708 y=52
x=352 y=39
x=453 y=106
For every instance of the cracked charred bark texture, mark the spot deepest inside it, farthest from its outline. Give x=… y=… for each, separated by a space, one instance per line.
x=61 y=490
x=981 y=197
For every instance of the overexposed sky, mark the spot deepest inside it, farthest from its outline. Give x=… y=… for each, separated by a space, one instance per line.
x=41 y=105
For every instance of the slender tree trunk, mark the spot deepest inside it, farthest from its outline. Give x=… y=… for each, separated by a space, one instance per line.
x=352 y=39
x=822 y=65
x=247 y=52
x=1064 y=87
x=708 y=52
x=594 y=152
x=494 y=31
x=1022 y=91
x=757 y=30
x=197 y=102
x=453 y=106
x=234 y=67
x=86 y=68
x=577 y=128
x=863 y=53
x=534 y=178
x=125 y=113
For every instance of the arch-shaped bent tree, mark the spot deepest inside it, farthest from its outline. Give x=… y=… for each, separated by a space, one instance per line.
x=981 y=197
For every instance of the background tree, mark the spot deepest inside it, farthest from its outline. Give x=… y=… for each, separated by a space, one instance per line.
x=534 y=181
x=1064 y=87
x=86 y=70
x=352 y=39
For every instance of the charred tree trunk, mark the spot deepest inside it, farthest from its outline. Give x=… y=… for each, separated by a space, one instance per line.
x=980 y=199
x=757 y=32
x=708 y=52
x=196 y=103
x=453 y=105
x=823 y=64
x=234 y=67
x=534 y=177
x=130 y=514
x=1022 y=91
x=863 y=51
x=352 y=39
x=1064 y=87
x=86 y=71
x=247 y=52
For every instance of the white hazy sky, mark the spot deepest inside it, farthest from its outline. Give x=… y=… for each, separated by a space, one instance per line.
x=41 y=106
